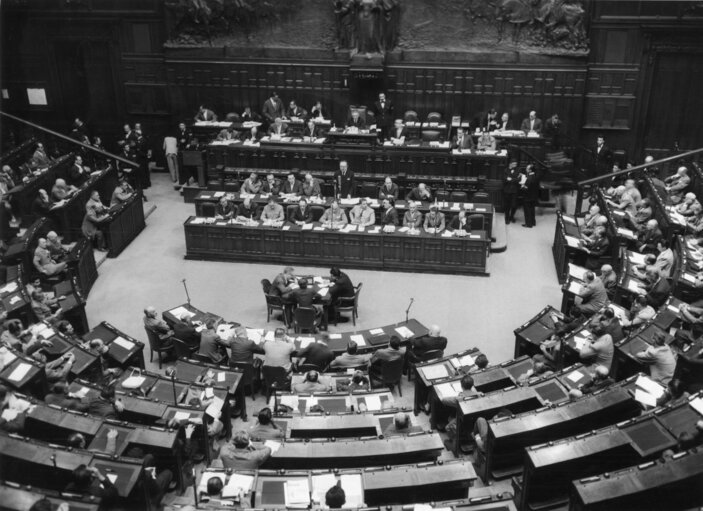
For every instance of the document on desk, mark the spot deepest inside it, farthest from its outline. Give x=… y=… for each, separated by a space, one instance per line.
x=297 y=492
x=20 y=372
x=633 y=286
x=435 y=371
x=569 y=219
x=697 y=404
x=404 y=229
x=358 y=339
x=6 y=357
x=626 y=232
x=307 y=227
x=238 y=483
x=579 y=342
x=353 y=489
x=289 y=401
x=448 y=389
x=645 y=398
x=306 y=341
x=215 y=408
x=649 y=386
x=82 y=392
x=9 y=288
x=573 y=242
x=255 y=335
x=123 y=343
x=270 y=335
x=575 y=287
x=181 y=416
x=180 y=311
x=404 y=332
x=635 y=257
x=15 y=299
x=376 y=331
x=466 y=361
x=323 y=291
x=373 y=402
x=321 y=483
x=335 y=336
x=575 y=376
x=578 y=272
x=273 y=445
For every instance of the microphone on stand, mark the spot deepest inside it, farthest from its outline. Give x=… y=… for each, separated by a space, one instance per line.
x=407 y=311
x=53 y=459
x=186 y=288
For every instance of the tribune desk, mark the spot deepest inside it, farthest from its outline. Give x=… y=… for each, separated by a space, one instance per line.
x=125 y=223
x=381 y=160
x=369 y=249
x=663 y=484
x=334 y=402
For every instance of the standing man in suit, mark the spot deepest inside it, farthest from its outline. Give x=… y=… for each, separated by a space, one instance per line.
x=273 y=107
x=462 y=141
x=389 y=215
x=532 y=123
x=384 y=113
x=398 y=133
x=530 y=188
x=602 y=157
x=389 y=190
x=511 y=183
x=204 y=114
x=344 y=181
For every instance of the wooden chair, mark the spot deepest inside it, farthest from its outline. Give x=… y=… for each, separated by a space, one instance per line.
x=475 y=222
x=208 y=209
x=481 y=197
x=305 y=320
x=410 y=116
x=442 y=195
x=275 y=378
x=431 y=135
x=201 y=358
x=392 y=373
x=317 y=212
x=158 y=345
x=434 y=117
x=458 y=197
x=428 y=355
x=182 y=349
x=348 y=304
x=273 y=302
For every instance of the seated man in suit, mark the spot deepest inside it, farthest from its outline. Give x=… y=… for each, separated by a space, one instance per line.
x=419 y=193
x=278 y=352
x=317 y=353
x=252 y=135
x=504 y=124
x=392 y=353
x=303 y=296
x=294 y=111
x=362 y=214
x=228 y=134
x=292 y=186
x=249 y=116
x=310 y=384
x=467 y=390
x=647 y=239
x=302 y=214
x=593 y=295
x=281 y=285
x=419 y=346
x=398 y=133
x=205 y=114
x=242 y=349
x=434 y=220
x=156 y=325
x=388 y=189
x=273 y=211
x=658 y=288
x=355 y=121
x=486 y=142
x=401 y=425
x=211 y=345
x=246 y=210
x=184 y=330
x=389 y=215
x=252 y=184
x=311 y=131
x=224 y=209
x=334 y=217
x=278 y=128
x=463 y=141
x=351 y=358
x=265 y=428
x=412 y=217
x=272 y=185
x=241 y=454
x=532 y=123
x=311 y=186
x=460 y=222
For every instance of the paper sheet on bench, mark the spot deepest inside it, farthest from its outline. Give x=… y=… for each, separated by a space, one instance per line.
x=435 y=372
x=123 y=343
x=237 y=483
x=358 y=339
x=19 y=372
x=320 y=484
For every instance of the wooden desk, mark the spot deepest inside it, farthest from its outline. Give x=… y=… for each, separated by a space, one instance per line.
x=128 y=474
x=86 y=271
x=381 y=160
x=333 y=426
x=127 y=351
x=16 y=498
x=54 y=425
x=125 y=223
x=25 y=375
x=507 y=436
x=356 y=453
x=565 y=230
x=382 y=251
x=532 y=333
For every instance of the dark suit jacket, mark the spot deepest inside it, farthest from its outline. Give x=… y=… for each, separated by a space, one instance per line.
x=272 y=110
x=384 y=116
x=650 y=239
x=384 y=192
x=342 y=287
x=318 y=354
x=247 y=212
x=315 y=132
x=507 y=126
x=525 y=126
x=602 y=160
x=531 y=189
x=296 y=112
x=414 y=195
x=303 y=297
x=389 y=217
x=360 y=123
x=186 y=333
x=455 y=224
x=426 y=343
x=296 y=188
x=275 y=189
x=297 y=215
x=466 y=143
x=490 y=125
x=659 y=293
x=393 y=132
x=345 y=183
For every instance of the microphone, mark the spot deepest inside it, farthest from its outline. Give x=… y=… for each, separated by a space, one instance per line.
x=53 y=459
x=407 y=311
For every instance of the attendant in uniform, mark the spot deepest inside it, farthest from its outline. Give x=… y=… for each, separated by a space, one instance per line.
x=602 y=157
x=273 y=107
x=95 y=214
x=78 y=174
x=511 y=184
x=434 y=220
x=412 y=217
x=341 y=287
x=388 y=190
x=389 y=215
x=344 y=181
x=530 y=189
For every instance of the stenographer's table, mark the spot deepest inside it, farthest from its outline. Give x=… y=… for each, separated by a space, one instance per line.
x=422 y=252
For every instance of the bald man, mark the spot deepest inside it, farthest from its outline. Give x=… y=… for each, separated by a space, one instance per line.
x=153 y=323
x=419 y=346
x=532 y=123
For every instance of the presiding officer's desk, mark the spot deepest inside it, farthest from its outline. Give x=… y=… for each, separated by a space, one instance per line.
x=550 y=468
x=347 y=453
x=369 y=249
x=667 y=484
x=507 y=436
x=16 y=497
x=450 y=209
x=333 y=402
x=382 y=160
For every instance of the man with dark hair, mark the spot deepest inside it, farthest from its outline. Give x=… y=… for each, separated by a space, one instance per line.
x=351 y=358
x=105 y=405
x=59 y=396
x=511 y=184
x=658 y=288
x=184 y=330
x=214 y=486
x=660 y=358
x=335 y=497
x=242 y=349
x=610 y=324
x=640 y=312
x=401 y=425
x=211 y=345
x=273 y=107
x=383 y=356
x=241 y=454
x=317 y=353
x=279 y=351
x=265 y=428
x=304 y=296
x=593 y=295
x=467 y=390
x=310 y=384
x=91 y=481
x=481 y=361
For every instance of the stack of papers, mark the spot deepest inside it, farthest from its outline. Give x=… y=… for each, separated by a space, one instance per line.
x=321 y=483
x=19 y=372
x=123 y=343
x=647 y=391
x=435 y=372
x=179 y=311
x=448 y=389
x=404 y=332
x=465 y=361
x=238 y=483
x=573 y=242
x=358 y=339
x=306 y=341
x=255 y=335
x=376 y=331
x=297 y=493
